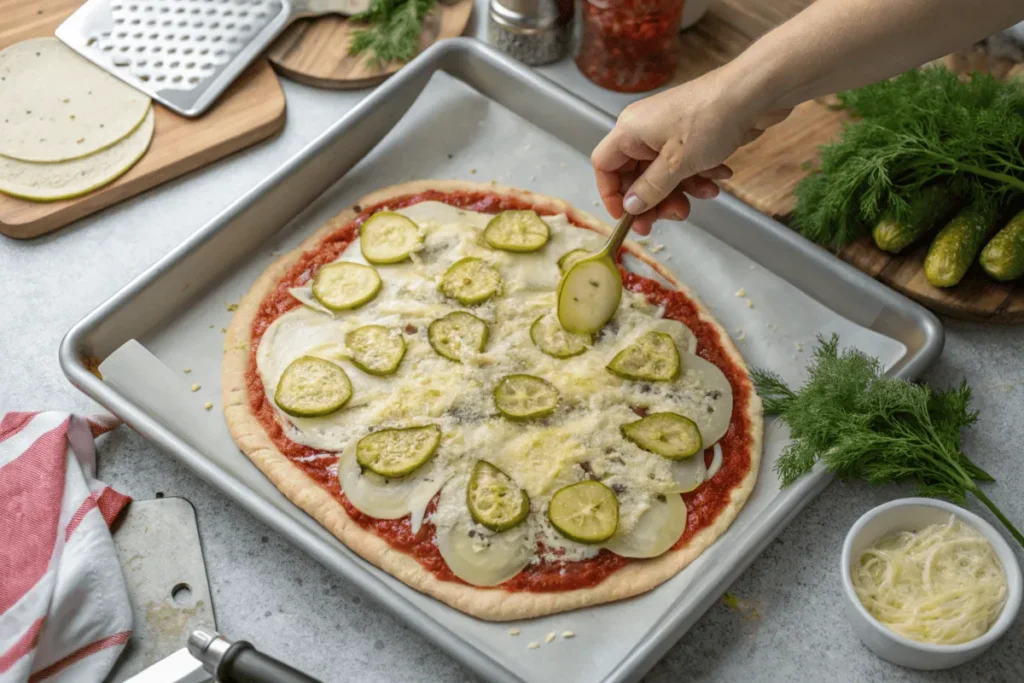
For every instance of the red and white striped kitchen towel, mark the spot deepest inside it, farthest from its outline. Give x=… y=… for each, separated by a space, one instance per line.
x=64 y=608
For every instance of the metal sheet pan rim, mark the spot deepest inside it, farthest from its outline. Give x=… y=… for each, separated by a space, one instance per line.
x=684 y=612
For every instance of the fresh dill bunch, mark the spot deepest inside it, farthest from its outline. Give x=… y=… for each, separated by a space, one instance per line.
x=920 y=128
x=864 y=425
x=394 y=30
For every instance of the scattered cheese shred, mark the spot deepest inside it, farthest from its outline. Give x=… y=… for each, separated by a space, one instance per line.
x=741 y=292
x=196 y=387
x=568 y=634
x=550 y=637
x=188 y=370
x=208 y=405
x=750 y=304
x=513 y=632
x=533 y=646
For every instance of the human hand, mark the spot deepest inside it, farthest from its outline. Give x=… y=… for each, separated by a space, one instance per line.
x=673 y=144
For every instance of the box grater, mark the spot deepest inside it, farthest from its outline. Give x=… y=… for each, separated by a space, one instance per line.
x=185 y=53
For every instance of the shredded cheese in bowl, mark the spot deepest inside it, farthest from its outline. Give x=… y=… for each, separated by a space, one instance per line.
x=942 y=585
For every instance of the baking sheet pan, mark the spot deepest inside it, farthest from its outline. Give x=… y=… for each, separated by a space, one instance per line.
x=480 y=116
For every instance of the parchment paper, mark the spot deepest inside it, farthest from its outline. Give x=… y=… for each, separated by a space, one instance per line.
x=454 y=132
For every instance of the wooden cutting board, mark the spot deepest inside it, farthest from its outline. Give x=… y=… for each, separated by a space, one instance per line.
x=251 y=110
x=767 y=171
x=315 y=51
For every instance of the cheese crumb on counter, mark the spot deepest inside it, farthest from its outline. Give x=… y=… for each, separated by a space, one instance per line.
x=550 y=637
x=568 y=634
x=533 y=646
x=188 y=370
x=739 y=335
x=741 y=292
x=208 y=405
x=513 y=632
x=799 y=347
x=232 y=307
x=750 y=304
x=655 y=248
x=196 y=387
x=472 y=171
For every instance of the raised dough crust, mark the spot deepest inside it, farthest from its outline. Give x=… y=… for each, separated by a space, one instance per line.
x=636 y=577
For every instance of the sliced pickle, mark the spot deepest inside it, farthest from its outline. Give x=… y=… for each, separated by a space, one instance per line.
x=589 y=294
x=547 y=334
x=519 y=231
x=388 y=237
x=585 y=512
x=571 y=258
x=398 y=452
x=493 y=498
x=312 y=387
x=653 y=357
x=346 y=285
x=667 y=434
x=375 y=349
x=470 y=281
x=525 y=397
x=458 y=335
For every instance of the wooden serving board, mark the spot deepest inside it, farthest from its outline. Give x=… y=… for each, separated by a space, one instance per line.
x=251 y=110
x=315 y=51
x=767 y=171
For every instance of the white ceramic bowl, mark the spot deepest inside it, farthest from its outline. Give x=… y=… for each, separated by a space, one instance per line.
x=911 y=514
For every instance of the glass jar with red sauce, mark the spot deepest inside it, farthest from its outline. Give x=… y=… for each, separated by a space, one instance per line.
x=630 y=45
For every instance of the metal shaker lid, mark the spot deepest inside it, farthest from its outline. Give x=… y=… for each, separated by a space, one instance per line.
x=525 y=14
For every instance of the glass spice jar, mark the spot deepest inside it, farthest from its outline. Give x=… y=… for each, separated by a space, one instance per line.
x=630 y=45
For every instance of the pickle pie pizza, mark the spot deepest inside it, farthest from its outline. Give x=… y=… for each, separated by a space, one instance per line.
x=405 y=378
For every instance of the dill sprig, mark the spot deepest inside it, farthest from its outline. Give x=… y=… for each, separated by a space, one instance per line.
x=864 y=425
x=393 y=33
x=922 y=127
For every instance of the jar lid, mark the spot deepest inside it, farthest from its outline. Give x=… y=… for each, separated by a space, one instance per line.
x=524 y=15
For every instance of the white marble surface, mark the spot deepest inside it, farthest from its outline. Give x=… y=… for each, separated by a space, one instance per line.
x=789 y=625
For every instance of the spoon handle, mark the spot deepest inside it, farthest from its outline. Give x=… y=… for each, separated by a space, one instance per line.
x=618 y=235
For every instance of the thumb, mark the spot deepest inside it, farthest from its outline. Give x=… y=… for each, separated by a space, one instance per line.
x=661 y=177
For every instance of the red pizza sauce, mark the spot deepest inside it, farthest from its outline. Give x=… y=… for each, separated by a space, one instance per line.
x=703 y=504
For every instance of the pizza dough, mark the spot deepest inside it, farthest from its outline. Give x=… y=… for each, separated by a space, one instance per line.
x=55 y=105
x=65 y=179
x=635 y=577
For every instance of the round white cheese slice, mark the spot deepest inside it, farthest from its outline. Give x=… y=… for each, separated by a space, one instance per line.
x=388 y=498
x=55 y=105
x=474 y=554
x=656 y=531
x=66 y=179
x=713 y=411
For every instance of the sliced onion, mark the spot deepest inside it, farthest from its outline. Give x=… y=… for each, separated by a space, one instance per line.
x=388 y=498
x=709 y=381
x=657 y=530
x=716 y=463
x=484 y=558
x=304 y=295
x=689 y=473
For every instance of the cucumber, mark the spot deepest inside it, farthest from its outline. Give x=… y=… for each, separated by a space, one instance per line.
x=1003 y=256
x=344 y=286
x=585 y=512
x=519 y=231
x=548 y=336
x=589 y=294
x=398 y=452
x=653 y=357
x=667 y=434
x=957 y=244
x=458 y=335
x=571 y=258
x=388 y=237
x=525 y=397
x=312 y=387
x=375 y=350
x=493 y=498
x=470 y=281
x=929 y=207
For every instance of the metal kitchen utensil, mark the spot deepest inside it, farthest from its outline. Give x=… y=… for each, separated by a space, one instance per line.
x=168 y=598
x=211 y=655
x=185 y=53
x=409 y=127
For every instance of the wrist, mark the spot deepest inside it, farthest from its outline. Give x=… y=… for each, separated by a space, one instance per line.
x=757 y=81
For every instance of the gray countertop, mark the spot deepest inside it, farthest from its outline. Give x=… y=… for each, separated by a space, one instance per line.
x=787 y=620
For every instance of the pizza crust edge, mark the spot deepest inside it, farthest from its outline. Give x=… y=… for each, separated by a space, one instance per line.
x=492 y=604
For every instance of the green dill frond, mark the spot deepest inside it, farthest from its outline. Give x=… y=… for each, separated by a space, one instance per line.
x=393 y=33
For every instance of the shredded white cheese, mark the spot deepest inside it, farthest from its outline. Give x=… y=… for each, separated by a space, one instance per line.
x=943 y=584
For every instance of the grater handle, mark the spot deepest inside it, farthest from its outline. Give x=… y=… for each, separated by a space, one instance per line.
x=316 y=8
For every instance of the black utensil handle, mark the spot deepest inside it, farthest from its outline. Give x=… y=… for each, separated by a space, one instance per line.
x=242 y=663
